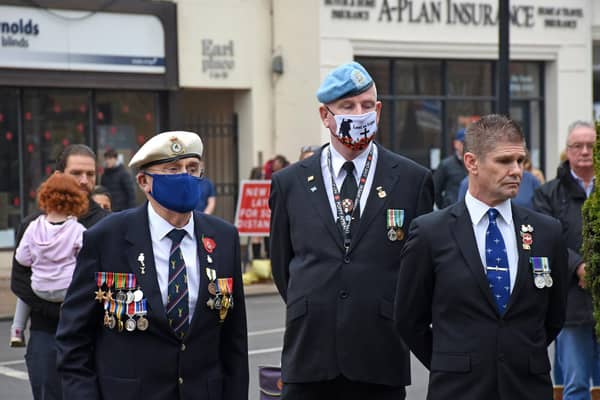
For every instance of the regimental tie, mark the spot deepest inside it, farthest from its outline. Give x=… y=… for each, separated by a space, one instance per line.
x=348 y=191
x=177 y=300
x=496 y=259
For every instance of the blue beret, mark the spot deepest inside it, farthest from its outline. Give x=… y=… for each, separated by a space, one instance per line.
x=346 y=80
x=460 y=135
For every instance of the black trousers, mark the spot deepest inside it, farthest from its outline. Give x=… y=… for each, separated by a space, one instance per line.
x=341 y=388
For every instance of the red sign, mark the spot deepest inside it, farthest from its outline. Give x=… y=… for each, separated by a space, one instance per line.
x=253 y=216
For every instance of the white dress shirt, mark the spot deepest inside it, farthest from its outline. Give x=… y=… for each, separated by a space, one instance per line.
x=161 y=246
x=479 y=219
x=337 y=161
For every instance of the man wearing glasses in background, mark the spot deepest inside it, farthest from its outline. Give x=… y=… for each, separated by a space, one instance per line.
x=577 y=347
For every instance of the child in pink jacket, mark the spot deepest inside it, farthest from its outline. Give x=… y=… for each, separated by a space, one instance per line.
x=50 y=245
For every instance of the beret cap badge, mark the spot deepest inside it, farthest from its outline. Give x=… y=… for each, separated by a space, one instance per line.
x=176 y=147
x=357 y=77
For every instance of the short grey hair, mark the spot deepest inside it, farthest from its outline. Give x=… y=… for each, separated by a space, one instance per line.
x=482 y=136
x=578 y=124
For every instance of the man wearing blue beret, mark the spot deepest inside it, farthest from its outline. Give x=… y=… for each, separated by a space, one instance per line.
x=338 y=223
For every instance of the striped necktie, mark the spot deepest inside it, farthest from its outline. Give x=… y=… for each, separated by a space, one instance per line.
x=177 y=299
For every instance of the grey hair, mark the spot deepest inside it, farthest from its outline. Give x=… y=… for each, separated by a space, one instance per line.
x=578 y=124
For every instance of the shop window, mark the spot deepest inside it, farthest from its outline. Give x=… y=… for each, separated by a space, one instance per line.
x=52 y=120
x=124 y=121
x=10 y=200
x=469 y=78
x=417 y=77
x=460 y=113
x=381 y=69
x=524 y=80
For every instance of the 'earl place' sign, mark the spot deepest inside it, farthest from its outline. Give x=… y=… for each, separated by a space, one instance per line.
x=217 y=58
x=452 y=12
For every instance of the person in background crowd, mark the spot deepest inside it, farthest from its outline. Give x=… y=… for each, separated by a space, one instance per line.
x=117 y=180
x=482 y=288
x=78 y=161
x=337 y=230
x=102 y=196
x=208 y=194
x=49 y=246
x=307 y=151
x=176 y=326
x=524 y=198
x=539 y=175
x=577 y=347
x=449 y=174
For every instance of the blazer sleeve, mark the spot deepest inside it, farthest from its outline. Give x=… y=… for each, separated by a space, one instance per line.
x=425 y=204
x=280 y=239
x=77 y=327
x=414 y=293
x=234 y=336
x=556 y=314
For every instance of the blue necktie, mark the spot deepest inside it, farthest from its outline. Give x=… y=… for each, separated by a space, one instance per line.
x=177 y=299
x=496 y=259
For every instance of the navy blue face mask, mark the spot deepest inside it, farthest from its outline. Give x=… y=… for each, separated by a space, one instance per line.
x=177 y=192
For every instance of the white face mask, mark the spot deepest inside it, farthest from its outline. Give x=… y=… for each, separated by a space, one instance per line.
x=356 y=131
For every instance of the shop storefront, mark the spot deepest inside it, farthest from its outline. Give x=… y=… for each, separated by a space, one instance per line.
x=92 y=72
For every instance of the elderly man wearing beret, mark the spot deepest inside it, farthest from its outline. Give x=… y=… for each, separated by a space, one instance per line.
x=338 y=224
x=156 y=307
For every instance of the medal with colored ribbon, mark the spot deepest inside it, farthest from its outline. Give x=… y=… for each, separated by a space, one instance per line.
x=100 y=279
x=541 y=272
x=130 y=323
x=119 y=313
x=131 y=284
x=394 y=222
x=110 y=280
x=141 y=309
x=212 y=287
x=225 y=289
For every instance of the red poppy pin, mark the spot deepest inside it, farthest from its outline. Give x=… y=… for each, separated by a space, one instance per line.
x=209 y=244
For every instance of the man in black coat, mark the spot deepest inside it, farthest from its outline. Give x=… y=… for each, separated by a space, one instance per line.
x=482 y=284
x=337 y=227
x=156 y=307
x=577 y=348
x=450 y=173
x=117 y=180
x=79 y=161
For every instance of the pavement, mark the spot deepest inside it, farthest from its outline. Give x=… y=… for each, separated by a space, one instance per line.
x=7 y=298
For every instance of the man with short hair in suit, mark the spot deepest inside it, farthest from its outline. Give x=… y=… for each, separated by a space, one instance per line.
x=156 y=306
x=482 y=284
x=337 y=227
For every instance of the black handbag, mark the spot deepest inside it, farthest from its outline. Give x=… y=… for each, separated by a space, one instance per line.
x=269 y=382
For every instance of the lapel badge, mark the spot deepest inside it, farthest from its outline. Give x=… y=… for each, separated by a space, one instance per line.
x=526 y=236
x=380 y=192
x=313 y=189
x=209 y=244
x=310 y=178
x=141 y=261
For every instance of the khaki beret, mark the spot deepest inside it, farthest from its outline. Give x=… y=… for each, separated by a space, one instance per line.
x=167 y=147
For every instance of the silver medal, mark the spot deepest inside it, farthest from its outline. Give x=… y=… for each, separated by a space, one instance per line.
x=130 y=325
x=548 y=280
x=138 y=295
x=142 y=323
x=129 y=297
x=392 y=235
x=539 y=281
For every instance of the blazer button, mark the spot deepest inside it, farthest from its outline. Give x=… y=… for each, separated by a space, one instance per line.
x=343 y=294
x=347 y=260
x=180 y=380
x=182 y=346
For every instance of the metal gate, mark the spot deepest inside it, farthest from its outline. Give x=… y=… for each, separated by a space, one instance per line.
x=220 y=137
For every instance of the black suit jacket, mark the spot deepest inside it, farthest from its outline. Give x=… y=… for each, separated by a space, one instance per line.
x=448 y=316
x=99 y=363
x=339 y=306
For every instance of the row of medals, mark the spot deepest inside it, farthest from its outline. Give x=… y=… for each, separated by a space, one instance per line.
x=122 y=300
x=222 y=299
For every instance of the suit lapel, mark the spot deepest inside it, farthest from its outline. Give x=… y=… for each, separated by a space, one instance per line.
x=465 y=240
x=385 y=178
x=203 y=229
x=523 y=263
x=140 y=246
x=311 y=178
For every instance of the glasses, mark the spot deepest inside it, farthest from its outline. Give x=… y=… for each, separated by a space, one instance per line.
x=580 y=146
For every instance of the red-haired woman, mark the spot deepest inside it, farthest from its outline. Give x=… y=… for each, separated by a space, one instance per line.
x=50 y=245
